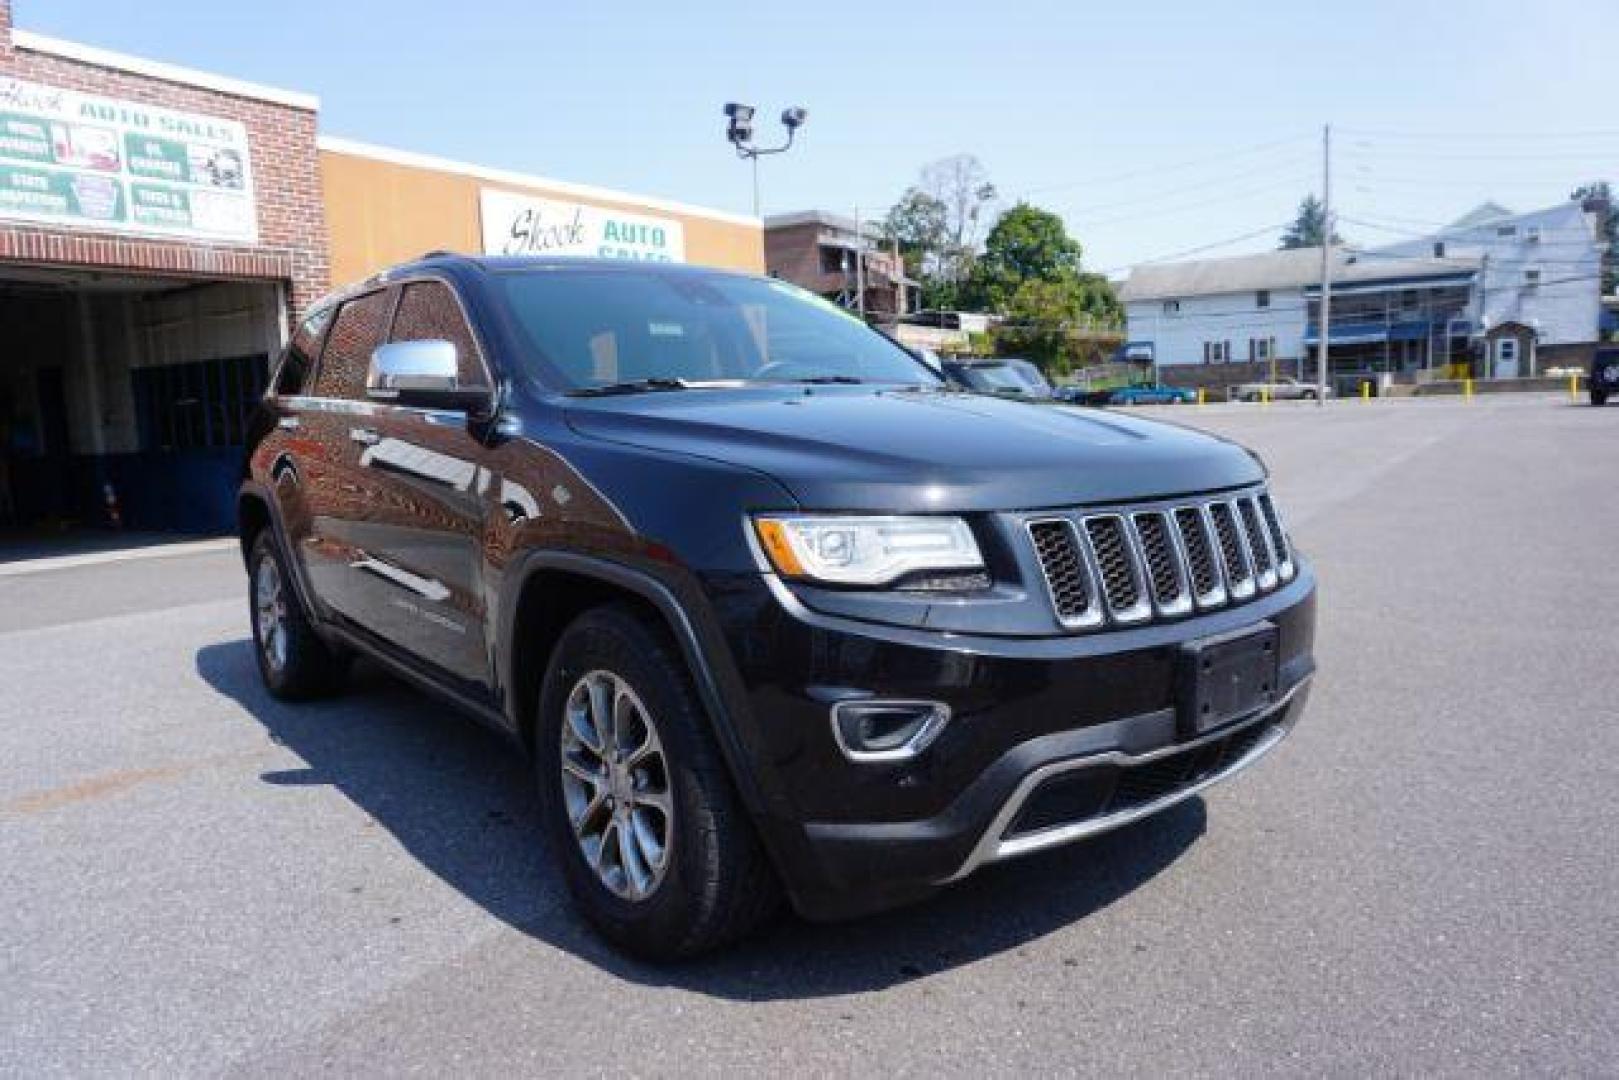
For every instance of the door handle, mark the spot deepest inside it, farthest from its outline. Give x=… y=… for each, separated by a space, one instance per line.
x=365 y=436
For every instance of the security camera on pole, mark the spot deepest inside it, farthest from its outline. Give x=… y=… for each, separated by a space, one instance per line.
x=739 y=132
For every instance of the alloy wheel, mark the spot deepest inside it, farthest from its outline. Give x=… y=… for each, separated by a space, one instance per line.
x=616 y=786
x=270 y=613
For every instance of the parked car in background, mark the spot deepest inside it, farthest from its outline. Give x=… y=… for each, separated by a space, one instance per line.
x=1001 y=375
x=1150 y=394
x=769 y=608
x=1280 y=390
x=1604 y=381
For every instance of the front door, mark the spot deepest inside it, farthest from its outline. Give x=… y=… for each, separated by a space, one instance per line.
x=418 y=552
x=1506 y=358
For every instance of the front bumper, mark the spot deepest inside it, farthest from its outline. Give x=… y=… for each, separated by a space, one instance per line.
x=1052 y=739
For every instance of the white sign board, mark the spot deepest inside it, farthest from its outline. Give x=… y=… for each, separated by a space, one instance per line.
x=517 y=224
x=79 y=160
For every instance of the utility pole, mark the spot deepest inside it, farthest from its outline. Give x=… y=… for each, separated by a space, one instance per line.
x=859 y=266
x=1326 y=266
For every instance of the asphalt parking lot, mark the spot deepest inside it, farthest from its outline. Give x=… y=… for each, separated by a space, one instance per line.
x=1423 y=880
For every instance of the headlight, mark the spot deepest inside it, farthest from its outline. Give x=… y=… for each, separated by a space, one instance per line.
x=865 y=550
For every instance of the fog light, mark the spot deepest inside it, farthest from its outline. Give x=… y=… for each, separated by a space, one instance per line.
x=873 y=730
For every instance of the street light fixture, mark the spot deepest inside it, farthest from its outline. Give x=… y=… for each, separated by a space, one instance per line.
x=739 y=133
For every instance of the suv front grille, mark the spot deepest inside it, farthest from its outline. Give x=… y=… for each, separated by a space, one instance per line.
x=1133 y=564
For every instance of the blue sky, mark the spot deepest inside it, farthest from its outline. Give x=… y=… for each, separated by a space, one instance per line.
x=1153 y=128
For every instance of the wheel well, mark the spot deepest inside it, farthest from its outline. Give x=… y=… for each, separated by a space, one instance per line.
x=551 y=599
x=252 y=518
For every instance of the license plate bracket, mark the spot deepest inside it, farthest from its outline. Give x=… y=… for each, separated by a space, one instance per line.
x=1227 y=677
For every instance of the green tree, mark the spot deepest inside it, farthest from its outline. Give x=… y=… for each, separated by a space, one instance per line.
x=1309 y=225
x=919 y=223
x=1599 y=195
x=1026 y=243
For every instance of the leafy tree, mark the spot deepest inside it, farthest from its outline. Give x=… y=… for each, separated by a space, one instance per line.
x=1601 y=192
x=920 y=224
x=1309 y=225
x=1026 y=243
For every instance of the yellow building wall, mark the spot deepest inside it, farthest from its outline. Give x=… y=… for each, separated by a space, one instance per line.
x=379 y=213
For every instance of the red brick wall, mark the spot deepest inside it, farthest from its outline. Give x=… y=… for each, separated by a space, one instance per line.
x=285 y=170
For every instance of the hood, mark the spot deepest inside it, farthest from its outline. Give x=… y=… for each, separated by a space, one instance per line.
x=855 y=448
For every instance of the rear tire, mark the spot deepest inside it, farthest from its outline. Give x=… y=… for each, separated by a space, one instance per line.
x=295 y=663
x=656 y=848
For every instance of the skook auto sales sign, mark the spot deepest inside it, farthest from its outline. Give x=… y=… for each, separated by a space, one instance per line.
x=517 y=224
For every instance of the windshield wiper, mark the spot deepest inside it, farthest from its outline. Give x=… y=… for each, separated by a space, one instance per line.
x=632 y=386
x=828 y=380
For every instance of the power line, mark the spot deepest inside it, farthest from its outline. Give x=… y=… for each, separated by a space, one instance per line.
x=1155 y=170
x=1195 y=250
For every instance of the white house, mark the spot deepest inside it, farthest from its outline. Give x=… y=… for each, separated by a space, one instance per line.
x=1494 y=295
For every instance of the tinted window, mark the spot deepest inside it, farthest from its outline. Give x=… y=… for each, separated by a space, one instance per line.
x=589 y=327
x=428 y=311
x=356 y=333
x=301 y=352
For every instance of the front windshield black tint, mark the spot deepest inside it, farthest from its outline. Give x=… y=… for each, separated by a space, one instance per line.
x=597 y=327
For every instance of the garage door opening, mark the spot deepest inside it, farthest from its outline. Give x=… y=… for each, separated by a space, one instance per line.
x=124 y=402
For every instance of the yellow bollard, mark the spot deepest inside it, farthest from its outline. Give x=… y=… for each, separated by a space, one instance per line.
x=1200 y=395
x=1264 y=395
x=1365 y=390
x=1574 y=388
x=1467 y=389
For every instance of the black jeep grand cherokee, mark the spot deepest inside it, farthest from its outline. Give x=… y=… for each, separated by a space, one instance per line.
x=770 y=607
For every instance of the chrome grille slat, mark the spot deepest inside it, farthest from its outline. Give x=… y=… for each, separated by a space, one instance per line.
x=1118 y=567
x=1164 y=562
x=1259 y=549
x=1129 y=565
x=1069 y=581
x=1239 y=577
x=1278 y=536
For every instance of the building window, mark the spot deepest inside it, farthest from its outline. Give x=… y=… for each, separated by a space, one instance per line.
x=1506 y=350
x=835 y=260
x=1262 y=298
x=1216 y=352
x=1172 y=307
x=1531 y=278
x=1439 y=249
x=1261 y=349
x=1506 y=230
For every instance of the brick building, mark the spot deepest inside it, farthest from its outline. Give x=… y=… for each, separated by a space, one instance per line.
x=162 y=229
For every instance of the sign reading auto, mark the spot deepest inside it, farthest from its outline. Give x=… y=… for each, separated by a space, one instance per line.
x=515 y=224
x=74 y=159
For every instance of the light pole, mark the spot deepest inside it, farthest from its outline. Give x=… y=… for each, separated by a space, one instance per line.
x=739 y=133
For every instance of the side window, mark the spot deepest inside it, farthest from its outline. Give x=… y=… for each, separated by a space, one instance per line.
x=356 y=333
x=428 y=311
x=301 y=352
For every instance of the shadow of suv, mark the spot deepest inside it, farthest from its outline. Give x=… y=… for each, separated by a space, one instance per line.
x=769 y=607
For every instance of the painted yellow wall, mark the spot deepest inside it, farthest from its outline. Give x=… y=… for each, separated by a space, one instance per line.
x=379 y=213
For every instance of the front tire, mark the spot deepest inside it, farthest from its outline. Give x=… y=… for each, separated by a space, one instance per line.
x=656 y=848
x=295 y=663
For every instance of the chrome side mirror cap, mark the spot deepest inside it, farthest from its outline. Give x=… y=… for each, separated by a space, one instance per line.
x=423 y=374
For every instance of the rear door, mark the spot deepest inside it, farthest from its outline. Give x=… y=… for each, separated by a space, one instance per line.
x=339 y=503
x=418 y=551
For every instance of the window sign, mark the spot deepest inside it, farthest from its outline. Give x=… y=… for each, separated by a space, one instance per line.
x=79 y=160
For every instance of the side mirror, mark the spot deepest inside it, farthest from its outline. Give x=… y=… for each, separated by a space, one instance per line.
x=422 y=374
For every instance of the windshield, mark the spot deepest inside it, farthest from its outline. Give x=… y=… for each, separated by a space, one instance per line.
x=590 y=328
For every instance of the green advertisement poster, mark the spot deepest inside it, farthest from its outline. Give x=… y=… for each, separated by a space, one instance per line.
x=24 y=138
x=35 y=191
x=153 y=204
x=160 y=159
